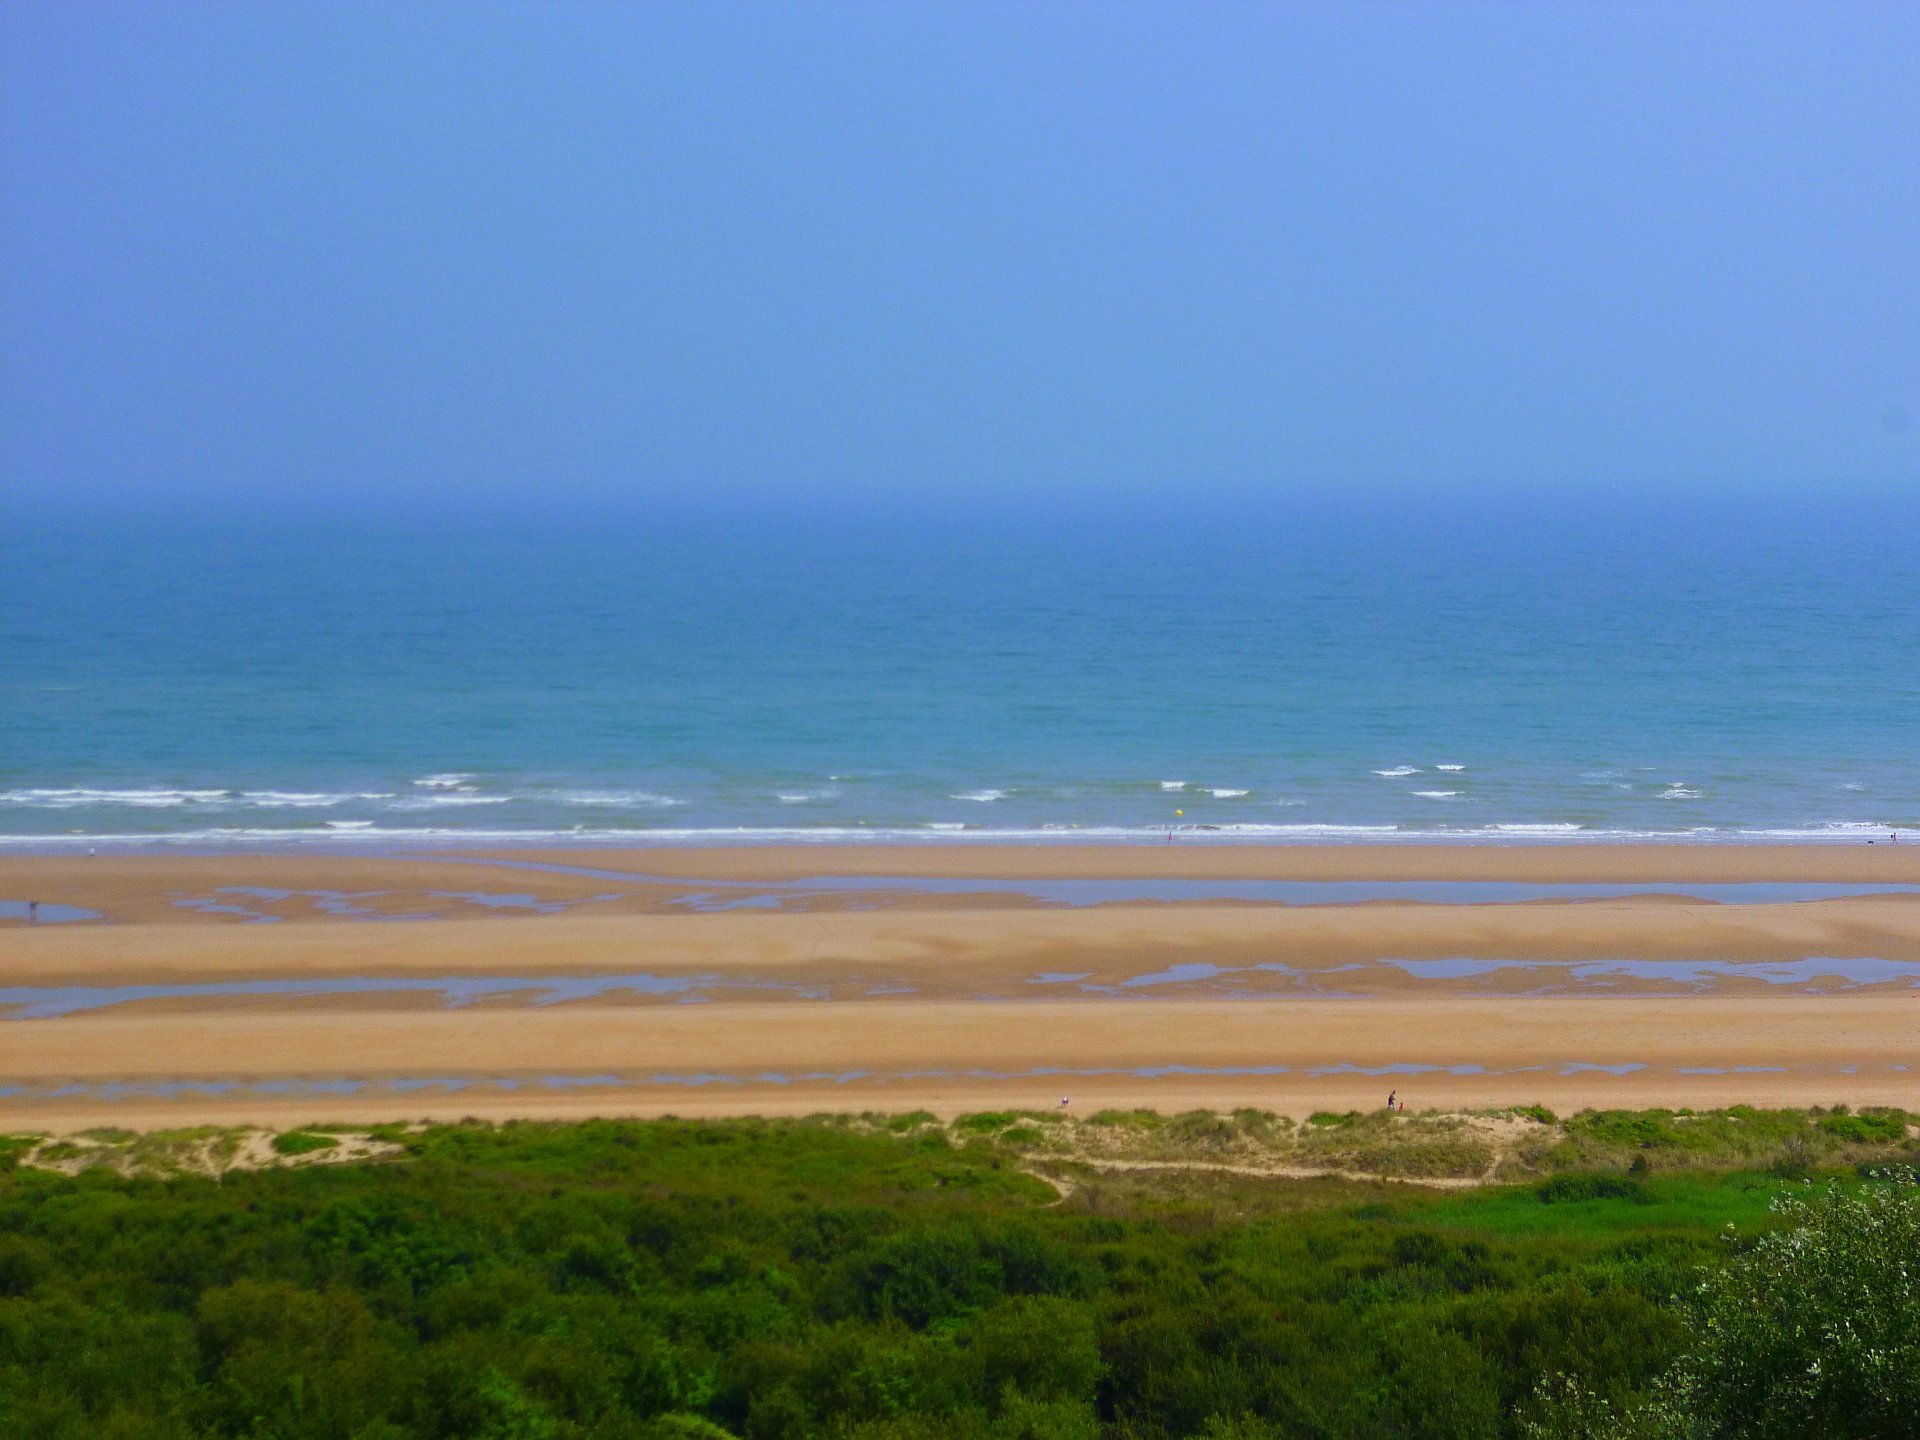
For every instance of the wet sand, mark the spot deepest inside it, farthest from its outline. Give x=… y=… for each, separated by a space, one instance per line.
x=1197 y=858
x=985 y=951
x=932 y=1001
x=145 y=888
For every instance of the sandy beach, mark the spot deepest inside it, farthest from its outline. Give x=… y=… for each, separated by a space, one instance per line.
x=223 y=987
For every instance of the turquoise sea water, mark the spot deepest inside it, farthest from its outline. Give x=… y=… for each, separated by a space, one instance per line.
x=1341 y=674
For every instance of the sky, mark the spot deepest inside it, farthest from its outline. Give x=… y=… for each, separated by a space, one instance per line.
x=599 y=256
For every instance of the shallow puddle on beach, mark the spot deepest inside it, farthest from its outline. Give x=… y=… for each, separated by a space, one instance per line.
x=1578 y=974
x=47 y=1002
x=44 y=913
x=1267 y=981
x=230 y=900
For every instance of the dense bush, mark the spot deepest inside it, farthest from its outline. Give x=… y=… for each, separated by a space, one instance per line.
x=1810 y=1331
x=1563 y=1189
x=674 y=1281
x=1869 y=1127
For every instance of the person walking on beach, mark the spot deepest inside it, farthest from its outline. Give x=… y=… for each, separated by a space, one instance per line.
x=1392 y=1095
x=33 y=912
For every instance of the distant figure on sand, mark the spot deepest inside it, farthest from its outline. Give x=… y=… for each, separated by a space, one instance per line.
x=33 y=912
x=1392 y=1095
x=1063 y=1102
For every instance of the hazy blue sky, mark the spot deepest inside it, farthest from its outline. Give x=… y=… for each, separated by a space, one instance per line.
x=651 y=252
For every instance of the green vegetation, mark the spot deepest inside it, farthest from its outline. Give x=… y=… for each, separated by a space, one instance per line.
x=892 y=1278
x=13 y=1148
x=1740 y=1135
x=302 y=1142
x=1812 y=1330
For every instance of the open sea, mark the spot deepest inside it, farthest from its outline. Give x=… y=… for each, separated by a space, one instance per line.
x=1353 y=673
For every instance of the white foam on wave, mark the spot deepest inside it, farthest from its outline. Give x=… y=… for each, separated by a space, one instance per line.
x=156 y=797
x=645 y=799
x=307 y=800
x=1436 y=794
x=1449 y=767
x=1679 y=790
x=1839 y=830
x=1327 y=830
x=73 y=797
x=446 y=799
x=981 y=797
x=1228 y=794
x=449 y=781
x=358 y=832
x=1173 y=784
x=1398 y=772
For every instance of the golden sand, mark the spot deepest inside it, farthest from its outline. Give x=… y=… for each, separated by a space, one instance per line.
x=928 y=992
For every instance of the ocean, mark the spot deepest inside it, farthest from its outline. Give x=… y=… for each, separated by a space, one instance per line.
x=1327 y=673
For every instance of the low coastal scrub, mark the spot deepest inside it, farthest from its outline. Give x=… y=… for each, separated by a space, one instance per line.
x=1739 y=1135
x=857 y=1278
x=302 y=1142
x=1506 y=1145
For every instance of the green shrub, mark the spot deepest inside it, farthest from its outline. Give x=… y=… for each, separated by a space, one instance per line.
x=1812 y=1330
x=1634 y=1129
x=14 y=1148
x=1869 y=1127
x=986 y=1121
x=1202 y=1127
x=1136 y=1119
x=1567 y=1189
x=110 y=1135
x=302 y=1142
x=835 y=1280
x=24 y=1262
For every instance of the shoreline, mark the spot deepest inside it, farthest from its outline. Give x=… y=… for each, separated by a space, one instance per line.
x=356 y=840
x=1558 y=861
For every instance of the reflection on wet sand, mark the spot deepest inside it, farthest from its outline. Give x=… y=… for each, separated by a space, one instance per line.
x=1447 y=975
